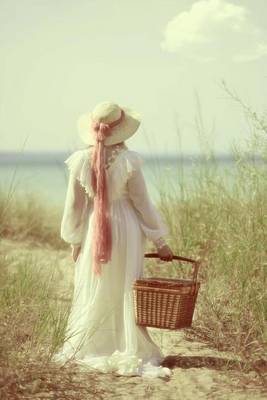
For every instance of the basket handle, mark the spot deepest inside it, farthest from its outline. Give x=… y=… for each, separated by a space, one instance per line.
x=195 y=264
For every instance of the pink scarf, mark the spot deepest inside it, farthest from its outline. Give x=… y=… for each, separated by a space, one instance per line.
x=102 y=232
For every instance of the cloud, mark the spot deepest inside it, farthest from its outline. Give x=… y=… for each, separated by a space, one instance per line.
x=215 y=29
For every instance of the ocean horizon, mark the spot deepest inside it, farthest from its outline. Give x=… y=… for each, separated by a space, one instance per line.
x=48 y=157
x=45 y=174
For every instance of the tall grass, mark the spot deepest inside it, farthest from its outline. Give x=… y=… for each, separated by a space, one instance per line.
x=25 y=217
x=33 y=319
x=29 y=301
x=225 y=227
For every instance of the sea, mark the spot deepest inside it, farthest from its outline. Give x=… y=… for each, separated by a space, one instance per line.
x=46 y=175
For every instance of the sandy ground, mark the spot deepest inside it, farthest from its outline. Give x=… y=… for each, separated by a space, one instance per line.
x=199 y=372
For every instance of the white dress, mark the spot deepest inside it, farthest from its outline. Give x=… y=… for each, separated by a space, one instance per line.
x=101 y=331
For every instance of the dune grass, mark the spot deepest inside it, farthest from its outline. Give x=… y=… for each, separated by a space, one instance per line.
x=222 y=221
x=25 y=217
x=28 y=302
x=32 y=323
x=227 y=233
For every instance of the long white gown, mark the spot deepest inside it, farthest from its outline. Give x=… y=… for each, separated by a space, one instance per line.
x=101 y=330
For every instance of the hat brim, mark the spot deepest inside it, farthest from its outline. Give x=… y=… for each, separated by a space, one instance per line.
x=121 y=132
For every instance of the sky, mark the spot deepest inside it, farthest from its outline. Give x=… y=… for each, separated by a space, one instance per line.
x=162 y=58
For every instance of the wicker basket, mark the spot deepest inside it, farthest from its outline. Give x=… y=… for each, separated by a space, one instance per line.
x=166 y=303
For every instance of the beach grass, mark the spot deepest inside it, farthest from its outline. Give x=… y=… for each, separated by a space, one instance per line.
x=227 y=233
x=34 y=306
x=26 y=217
x=224 y=226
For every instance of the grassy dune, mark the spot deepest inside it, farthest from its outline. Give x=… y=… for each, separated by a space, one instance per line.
x=225 y=227
x=25 y=217
x=228 y=233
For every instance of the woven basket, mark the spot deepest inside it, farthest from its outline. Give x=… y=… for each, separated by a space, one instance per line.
x=166 y=303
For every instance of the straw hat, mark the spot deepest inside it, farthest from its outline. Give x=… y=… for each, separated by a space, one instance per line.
x=109 y=112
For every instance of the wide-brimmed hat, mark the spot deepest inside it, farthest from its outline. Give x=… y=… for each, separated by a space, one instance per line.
x=108 y=112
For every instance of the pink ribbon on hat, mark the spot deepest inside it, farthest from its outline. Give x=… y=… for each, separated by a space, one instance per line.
x=102 y=231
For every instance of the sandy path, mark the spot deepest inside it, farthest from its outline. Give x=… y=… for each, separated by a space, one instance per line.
x=199 y=372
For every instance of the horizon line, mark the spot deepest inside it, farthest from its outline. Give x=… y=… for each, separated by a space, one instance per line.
x=59 y=156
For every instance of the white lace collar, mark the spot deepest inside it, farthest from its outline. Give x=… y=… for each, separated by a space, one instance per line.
x=113 y=155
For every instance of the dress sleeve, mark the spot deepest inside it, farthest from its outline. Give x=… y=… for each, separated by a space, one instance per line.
x=74 y=215
x=150 y=219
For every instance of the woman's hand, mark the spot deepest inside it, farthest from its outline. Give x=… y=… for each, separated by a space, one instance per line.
x=75 y=251
x=165 y=253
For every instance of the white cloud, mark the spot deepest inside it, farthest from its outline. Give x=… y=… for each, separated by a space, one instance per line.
x=215 y=29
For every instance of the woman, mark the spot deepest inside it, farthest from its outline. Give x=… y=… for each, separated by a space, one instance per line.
x=107 y=217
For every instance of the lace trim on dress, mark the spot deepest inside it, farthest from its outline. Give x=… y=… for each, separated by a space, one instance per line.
x=114 y=152
x=122 y=363
x=79 y=165
x=121 y=164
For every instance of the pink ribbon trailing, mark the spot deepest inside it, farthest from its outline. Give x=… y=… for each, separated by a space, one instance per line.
x=102 y=231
